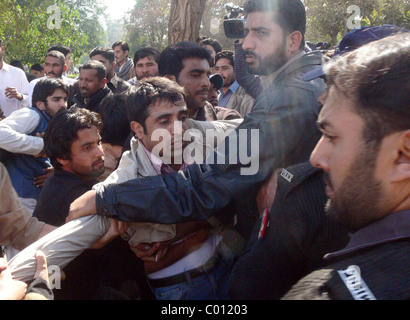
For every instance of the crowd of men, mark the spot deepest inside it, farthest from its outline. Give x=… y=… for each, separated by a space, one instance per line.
x=137 y=179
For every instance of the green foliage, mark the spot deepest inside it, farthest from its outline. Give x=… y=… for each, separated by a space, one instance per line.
x=27 y=29
x=327 y=20
x=147 y=24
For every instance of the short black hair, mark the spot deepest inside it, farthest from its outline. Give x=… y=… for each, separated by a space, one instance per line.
x=150 y=91
x=62 y=130
x=376 y=78
x=95 y=65
x=116 y=127
x=45 y=88
x=172 y=57
x=227 y=54
x=60 y=48
x=37 y=67
x=124 y=45
x=290 y=15
x=213 y=43
x=146 y=52
x=56 y=54
x=106 y=52
x=17 y=64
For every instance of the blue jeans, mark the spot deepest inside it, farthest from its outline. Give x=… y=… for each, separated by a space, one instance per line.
x=211 y=285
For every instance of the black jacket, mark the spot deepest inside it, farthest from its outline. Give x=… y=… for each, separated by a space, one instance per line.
x=374 y=265
x=93 y=104
x=298 y=235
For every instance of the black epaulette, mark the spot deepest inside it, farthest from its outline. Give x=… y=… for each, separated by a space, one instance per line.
x=291 y=177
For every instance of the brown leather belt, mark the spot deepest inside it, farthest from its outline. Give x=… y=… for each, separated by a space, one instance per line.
x=184 y=276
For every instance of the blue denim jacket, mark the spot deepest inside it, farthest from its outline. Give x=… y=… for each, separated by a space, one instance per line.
x=285 y=116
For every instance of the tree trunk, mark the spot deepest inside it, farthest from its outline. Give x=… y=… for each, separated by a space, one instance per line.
x=185 y=20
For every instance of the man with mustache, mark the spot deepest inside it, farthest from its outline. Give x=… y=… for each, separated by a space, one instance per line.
x=365 y=153
x=93 y=87
x=124 y=67
x=189 y=64
x=54 y=67
x=233 y=96
x=299 y=214
x=145 y=64
x=20 y=134
x=72 y=143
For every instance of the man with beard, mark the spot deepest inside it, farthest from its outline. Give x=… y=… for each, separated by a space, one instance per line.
x=189 y=64
x=20 y=134
x=72 y=142
x=145 y=64
x=93 y=87
x=297 y=207
x=54 y=67
x=233 y=96
x=66 y=51
x=365 y=154
x=284 y=117
x=105 y=55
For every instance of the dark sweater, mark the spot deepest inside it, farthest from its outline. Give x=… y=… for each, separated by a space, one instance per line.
x=59 y=191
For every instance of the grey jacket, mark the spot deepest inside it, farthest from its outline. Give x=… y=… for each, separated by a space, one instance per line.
x=241 y=101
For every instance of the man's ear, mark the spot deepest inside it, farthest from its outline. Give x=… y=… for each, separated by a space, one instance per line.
x=293 y=42
x=138 y=129
x=171 y=77
x=40 y=105
x=63 y=162
x=103 y=82
x=402 y=164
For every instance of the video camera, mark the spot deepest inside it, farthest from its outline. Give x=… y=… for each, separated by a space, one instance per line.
x=234 y=22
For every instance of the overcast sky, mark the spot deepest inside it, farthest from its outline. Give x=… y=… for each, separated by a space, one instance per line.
x=116 y=8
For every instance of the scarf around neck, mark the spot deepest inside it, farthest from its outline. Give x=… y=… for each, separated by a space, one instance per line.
x=123 y=71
